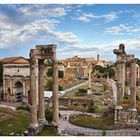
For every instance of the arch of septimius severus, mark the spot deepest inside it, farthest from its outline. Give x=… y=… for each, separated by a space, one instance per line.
x=38 y=56
x=123 y=117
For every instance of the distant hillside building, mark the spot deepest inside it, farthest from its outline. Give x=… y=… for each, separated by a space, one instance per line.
x=16 y=79
x=76 y=66
x=79 y=67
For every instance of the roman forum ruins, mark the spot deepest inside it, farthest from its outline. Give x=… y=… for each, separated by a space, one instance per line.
x=125 y=117
x=37 y=57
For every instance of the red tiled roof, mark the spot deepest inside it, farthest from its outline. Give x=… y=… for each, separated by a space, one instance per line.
x=18 y=60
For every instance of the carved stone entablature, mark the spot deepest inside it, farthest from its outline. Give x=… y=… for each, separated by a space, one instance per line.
x=44 y=52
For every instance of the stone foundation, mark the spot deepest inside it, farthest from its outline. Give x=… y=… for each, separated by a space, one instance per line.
x=32 y=131
x=126 y=118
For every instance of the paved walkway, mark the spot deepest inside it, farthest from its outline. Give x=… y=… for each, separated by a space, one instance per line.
x=75 y=87
x=74 y=130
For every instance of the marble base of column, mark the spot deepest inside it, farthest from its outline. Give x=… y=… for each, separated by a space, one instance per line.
x=40 y=121
x=133 y=116
x=89 y=91
x=118 y=114
x=34 y=123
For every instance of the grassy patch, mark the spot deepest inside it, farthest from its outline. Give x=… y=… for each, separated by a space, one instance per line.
x=48 y=131
x=91 y=122
x=98 y=89
x=17 y=123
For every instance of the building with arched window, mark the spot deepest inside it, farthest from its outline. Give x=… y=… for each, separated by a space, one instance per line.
x=16 y=79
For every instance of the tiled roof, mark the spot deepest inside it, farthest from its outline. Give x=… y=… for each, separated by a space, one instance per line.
x=15 y=60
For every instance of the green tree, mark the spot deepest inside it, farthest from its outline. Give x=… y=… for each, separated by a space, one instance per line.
x=105 y=71
x=138 y=61
x=50 y=73
x=49 y=85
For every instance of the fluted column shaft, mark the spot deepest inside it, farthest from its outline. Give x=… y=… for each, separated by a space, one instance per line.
x=33 y=109
x=89 y=79
x=119 y=83
x=55 y=95
x=41 y=90
x=132 y=101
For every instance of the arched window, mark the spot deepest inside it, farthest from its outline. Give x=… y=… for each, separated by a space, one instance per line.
x=19 y=91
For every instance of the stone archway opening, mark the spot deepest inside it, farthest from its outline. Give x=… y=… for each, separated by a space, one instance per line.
x=9 y=91
x=19 y=91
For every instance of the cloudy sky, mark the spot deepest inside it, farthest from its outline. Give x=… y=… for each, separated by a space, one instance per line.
x=83 y=30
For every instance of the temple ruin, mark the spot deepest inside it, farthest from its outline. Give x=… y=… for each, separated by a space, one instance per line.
x=122 y=117
x=38 y=55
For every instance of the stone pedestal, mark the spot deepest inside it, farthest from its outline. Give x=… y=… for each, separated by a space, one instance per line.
x=55 y=103
x=132 y=119
x=118 y=114
x=89 y=91
x=32 y=131
x=41 y=91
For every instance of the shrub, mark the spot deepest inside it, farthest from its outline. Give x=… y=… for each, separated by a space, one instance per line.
x=60 y=88
x=104 y=133
x=109 y=112
x=48 y=115
x=91 y=109
x=82 y=90
x=26 y=108
x=125 y=97
x=79 y=94
x=49 y=86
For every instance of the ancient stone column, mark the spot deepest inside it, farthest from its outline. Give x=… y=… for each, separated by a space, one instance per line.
x=89 y=79
x=119 y=83
x=41 y=91
x=89 y=91
x=132 y=101
x=55 y=94
x=33 y=108
x=118 y=108
x=123 y=77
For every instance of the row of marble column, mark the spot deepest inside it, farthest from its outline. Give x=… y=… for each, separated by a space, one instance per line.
x=33 y=91
x=121 y=82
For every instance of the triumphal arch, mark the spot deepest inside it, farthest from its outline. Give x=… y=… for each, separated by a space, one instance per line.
x=38 y=57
